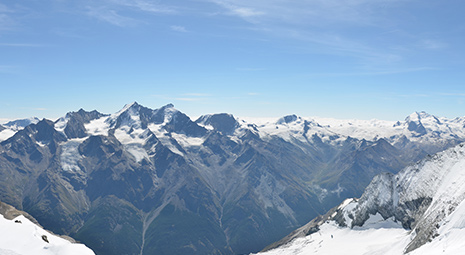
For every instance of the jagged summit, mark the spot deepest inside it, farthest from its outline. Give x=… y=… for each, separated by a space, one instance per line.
x=73 y=124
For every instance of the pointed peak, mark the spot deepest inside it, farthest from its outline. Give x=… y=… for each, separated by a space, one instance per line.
x=413 y=116
x=168 y=110
x=131 y=106
x=417 y=116
x=170 y=105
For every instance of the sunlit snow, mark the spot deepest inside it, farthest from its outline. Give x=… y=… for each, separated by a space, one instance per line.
x=332 y=239
x=25 y=238
x=98 y=126
x=5 y=134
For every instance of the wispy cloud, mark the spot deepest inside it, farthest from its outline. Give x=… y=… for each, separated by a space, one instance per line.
x=377 y=72
x=361 y=29
x=35 y=108
x=315 y=12
x=193 y=97
x=26 y=45
x=250 y=69
x=453 y=94
x=118 y=12
x=432 y=44
x=110 y=16
x=197 y=94
x=186 y=97
x=5 y=9
x=414 y=95
x=179 y=29
x=189 y=99
x=8 y=69
x=144 y=5
x=238 y=9
x=6 y=20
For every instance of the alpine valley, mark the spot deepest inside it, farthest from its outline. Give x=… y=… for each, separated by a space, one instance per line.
x=144 y=181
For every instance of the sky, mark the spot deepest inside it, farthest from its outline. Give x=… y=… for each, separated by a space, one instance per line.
x=361 y=59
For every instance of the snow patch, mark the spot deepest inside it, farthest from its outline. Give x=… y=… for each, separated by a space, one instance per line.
x=138 y=152
x=41 y=144
x=186 y=141
x=61 y=123
x=25 y=238
x=345 y=203
x=164 y=137
x=70 y=155
x=5 y=134
x=98 y=126
x=128 y=135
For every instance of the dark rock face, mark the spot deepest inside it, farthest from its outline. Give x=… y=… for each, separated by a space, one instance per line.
x=222 y=122
x=416 y=127
x=287 y=119
x=75 y=126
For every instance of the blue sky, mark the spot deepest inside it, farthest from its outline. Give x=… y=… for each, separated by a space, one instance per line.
x=332 y=58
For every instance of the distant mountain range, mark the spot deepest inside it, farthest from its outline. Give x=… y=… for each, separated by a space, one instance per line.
x=420 y=210
x=145 y=181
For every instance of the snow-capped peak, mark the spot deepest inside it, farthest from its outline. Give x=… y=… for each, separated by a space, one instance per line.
x=129 y=116
x=19 y=124
x=418 y=116
x=169 y=111
x=131 y=106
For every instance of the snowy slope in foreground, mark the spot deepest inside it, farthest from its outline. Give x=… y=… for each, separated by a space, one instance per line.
x=25 y=238
x=420 y=210
x=384 y=237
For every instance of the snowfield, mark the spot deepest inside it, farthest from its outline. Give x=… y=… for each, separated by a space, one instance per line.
x=381 y=238
x=26 y=238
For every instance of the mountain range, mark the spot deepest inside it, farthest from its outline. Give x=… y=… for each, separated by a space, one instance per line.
x=143 y=180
